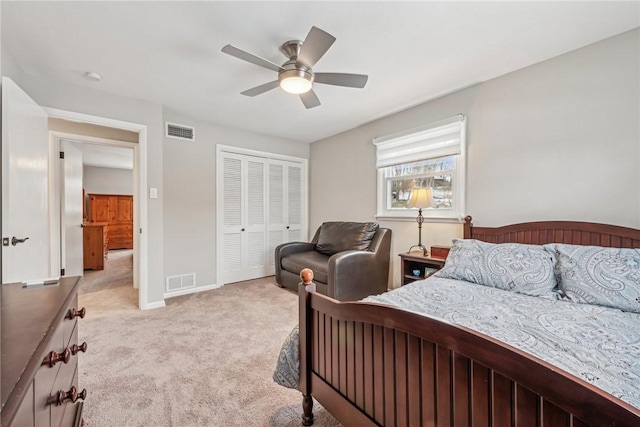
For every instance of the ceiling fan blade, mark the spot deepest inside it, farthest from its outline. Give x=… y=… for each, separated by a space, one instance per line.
x=315 y=46
x=261 y=89
x=341 y=79
x=310 y=99
x=249 y=57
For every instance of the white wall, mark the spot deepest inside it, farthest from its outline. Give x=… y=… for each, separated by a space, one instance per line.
x=556 y=140
x=98 y=180
x=9 y=66
x=189 y=199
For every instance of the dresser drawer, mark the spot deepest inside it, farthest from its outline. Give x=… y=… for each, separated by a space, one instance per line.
x=71 y=317
x=46 y=376
x=73 y=411
x=63 y=383
x=120 y=231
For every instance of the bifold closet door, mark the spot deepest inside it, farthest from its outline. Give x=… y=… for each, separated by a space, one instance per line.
x=244 y=218
x=285 y=201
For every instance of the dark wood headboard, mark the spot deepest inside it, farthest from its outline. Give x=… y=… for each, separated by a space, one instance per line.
x=542 y=232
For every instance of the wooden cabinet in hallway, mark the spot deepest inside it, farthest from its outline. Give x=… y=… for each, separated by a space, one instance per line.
x=117 y=211
x=95 y=245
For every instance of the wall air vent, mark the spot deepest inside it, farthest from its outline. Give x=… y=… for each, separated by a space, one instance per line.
x=178 y=283
x=186 y=133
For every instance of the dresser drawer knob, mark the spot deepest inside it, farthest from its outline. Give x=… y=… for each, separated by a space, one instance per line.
x=75 y=349
x=76 y=313
x=71 y=395
x=54 y=357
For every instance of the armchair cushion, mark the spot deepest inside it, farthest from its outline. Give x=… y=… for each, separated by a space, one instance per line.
x=314 y=260
x=337 y=237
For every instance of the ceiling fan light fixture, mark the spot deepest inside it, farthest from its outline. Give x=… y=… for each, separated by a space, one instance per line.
x=295 y=81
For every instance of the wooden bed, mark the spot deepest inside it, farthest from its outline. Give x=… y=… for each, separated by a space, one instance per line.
x=373 y=365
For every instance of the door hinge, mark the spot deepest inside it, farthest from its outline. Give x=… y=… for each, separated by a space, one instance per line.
x=141 y=231
x=62 y=154
x=62 y=271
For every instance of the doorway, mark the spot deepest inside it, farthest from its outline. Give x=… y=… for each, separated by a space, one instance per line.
x=96 y=211
x=139 y=150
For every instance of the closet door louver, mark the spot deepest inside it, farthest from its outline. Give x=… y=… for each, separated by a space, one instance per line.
x=285 y=206
x=276 y=220
x=294 y=202
x=232 y=220
x=255 y=219
x=244 y=199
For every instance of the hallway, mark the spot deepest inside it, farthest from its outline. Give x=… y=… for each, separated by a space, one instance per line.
x=117 y=275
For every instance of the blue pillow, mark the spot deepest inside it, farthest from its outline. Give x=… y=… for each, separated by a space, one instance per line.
x=527 y=269
x=598 y=275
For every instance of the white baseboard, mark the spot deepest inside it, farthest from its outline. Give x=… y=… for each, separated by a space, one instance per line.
x=152 y=305
x=193 y=290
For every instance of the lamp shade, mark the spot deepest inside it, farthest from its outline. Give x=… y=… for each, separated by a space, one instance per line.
x=295 y=85
x=420 y=198
x=295 y=81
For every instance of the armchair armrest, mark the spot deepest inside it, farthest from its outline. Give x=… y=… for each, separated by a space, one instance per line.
x=354 y=275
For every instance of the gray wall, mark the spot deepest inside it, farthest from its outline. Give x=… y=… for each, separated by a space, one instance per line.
x=182 y=220
x=55 y=94
x=556 y=140
x=189 y=187
x=97 y=180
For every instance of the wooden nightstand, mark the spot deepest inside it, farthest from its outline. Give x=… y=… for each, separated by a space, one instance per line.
x=415 y=262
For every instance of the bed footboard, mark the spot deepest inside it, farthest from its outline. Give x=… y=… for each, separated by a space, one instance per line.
x=370 y=364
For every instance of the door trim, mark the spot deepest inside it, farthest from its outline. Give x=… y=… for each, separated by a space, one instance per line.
x=140 y=214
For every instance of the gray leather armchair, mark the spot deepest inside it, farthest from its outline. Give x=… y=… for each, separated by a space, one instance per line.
x=350 y=260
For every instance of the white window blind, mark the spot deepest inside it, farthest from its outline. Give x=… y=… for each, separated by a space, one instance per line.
x=443 y=138
x=431 y=156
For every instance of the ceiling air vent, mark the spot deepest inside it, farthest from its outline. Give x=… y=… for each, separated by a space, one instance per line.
x=186 y=133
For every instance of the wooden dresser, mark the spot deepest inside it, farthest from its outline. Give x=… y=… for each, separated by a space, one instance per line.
x=116 y=211
x=95 y=238
x=40 y=354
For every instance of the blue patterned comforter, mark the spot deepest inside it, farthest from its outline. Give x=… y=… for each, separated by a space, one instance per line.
x=598 y=344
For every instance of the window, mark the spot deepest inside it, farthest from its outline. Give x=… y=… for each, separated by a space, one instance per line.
x=429 y=156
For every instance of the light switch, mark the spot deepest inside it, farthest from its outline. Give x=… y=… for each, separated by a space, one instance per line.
x=153 y=193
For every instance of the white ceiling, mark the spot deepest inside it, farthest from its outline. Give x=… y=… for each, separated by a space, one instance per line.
x=105 y=156
x=169 y=52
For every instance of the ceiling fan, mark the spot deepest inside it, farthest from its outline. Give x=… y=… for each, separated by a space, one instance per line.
x=296 y=74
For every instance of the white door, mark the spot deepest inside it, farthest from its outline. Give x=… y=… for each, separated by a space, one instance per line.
x=26 y=245
x=285 y=201
x=71 y=211
x=244 y=218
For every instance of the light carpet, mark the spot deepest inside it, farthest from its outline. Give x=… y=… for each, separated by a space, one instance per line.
x=205 y=359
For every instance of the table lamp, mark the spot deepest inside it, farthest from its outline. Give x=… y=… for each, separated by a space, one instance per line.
x=420 y=198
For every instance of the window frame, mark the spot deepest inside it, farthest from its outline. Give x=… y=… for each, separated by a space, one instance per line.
x=454 y=214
